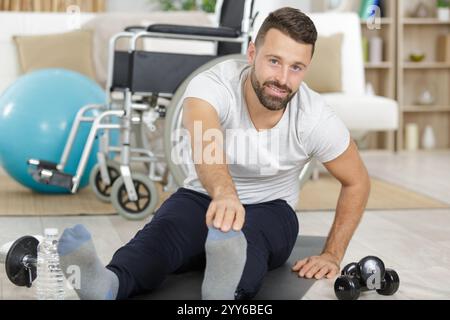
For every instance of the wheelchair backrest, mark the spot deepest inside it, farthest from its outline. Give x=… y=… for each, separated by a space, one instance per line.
x=232 y=15
x=121 y=70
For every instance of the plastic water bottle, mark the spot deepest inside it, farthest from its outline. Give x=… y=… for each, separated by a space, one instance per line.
x=50 y=279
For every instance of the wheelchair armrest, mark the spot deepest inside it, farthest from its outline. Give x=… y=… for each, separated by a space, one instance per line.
x=222 y=32
x=135 y=28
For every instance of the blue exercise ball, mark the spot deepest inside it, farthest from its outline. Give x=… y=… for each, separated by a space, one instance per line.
x=36 y=115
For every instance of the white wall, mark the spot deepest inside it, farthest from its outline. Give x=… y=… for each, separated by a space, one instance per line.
x=130 y=6
x=262 y=5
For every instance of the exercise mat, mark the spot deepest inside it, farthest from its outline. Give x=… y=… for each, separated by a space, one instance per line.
x=279 y=284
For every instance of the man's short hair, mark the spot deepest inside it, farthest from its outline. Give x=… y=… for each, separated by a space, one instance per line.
x=293 y=23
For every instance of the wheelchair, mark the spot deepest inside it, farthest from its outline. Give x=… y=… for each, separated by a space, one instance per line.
x=145 y=85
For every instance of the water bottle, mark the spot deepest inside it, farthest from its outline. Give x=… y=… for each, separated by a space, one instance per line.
x=50 y=279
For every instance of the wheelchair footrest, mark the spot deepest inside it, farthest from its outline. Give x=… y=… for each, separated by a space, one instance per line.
x=42 y=164
x=53 y=178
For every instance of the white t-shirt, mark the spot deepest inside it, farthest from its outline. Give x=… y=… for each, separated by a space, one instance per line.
x=265 y=165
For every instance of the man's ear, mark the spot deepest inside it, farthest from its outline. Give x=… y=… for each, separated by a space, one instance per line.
x=251 y=53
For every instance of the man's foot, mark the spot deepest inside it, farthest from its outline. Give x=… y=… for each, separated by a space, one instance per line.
x=77 y=252
x=226 y=255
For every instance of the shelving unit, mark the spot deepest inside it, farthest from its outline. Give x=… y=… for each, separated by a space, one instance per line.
x=424 y=21
x=382 y=76
x=426 y=65
x=421 y=34
x=401 y=79
x=423 y=109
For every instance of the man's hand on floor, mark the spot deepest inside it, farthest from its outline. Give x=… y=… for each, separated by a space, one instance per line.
x=226 y=212
x=318 y=267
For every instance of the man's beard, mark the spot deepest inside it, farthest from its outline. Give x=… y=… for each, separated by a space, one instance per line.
x=271 y=102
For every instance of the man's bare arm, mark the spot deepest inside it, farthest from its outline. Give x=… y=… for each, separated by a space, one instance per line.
x=352 y=174
x=225 y=211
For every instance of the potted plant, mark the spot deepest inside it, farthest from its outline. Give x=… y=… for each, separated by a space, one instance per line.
x=443 y=10
x=187 y=5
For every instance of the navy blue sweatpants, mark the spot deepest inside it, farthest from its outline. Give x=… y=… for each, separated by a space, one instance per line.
x=174 y=242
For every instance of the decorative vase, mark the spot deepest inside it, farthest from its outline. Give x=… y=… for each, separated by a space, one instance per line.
x=421 y=11
x=412 y=137
x=376 y=49
x=426 y=92
x=428 y=138
x=370 y=91
x=443 y=14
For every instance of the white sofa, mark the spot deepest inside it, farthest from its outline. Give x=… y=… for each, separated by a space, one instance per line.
x=360 y=112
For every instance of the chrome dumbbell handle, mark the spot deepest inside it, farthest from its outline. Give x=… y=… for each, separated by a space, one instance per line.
x=29 y=263
x=21 y=260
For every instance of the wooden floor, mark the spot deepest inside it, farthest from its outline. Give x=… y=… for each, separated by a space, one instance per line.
x=416 y=243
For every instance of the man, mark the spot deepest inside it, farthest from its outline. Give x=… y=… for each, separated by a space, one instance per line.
x=235 y=215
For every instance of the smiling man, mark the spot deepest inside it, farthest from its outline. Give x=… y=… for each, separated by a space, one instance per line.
x=267 y=95
x=236 y=217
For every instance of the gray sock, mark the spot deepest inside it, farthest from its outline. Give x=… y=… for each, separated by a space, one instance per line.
x=76 y=249
x=226 y=255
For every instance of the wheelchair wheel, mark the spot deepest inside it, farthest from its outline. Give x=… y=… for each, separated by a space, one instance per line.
x=147 y=197
x=307 y=172
x=177 y=164
x=101 y=190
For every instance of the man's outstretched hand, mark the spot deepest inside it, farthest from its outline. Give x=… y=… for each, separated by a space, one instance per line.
x=318 y=267
x=226 y=213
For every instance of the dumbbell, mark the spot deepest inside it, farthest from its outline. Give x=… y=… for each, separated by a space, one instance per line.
x=20 y=258
x=367 y=274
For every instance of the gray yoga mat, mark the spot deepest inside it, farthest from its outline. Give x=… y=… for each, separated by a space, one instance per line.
x=279 y=284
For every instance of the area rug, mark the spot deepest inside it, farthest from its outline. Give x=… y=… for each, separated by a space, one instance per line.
x=322 y=194
x=15 y=200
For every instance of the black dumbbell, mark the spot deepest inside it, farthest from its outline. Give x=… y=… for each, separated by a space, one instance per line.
x=368 y=274
x=347 y=286
x=20 y=259
x=390 y=283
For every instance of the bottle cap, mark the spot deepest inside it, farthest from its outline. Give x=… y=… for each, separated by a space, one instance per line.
x=51 y=232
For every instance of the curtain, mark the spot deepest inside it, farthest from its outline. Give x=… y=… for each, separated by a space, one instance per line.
x=52 y=5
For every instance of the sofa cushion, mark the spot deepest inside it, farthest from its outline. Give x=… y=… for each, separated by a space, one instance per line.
x=70 y=50
x=349 y=24
x=325 y=73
